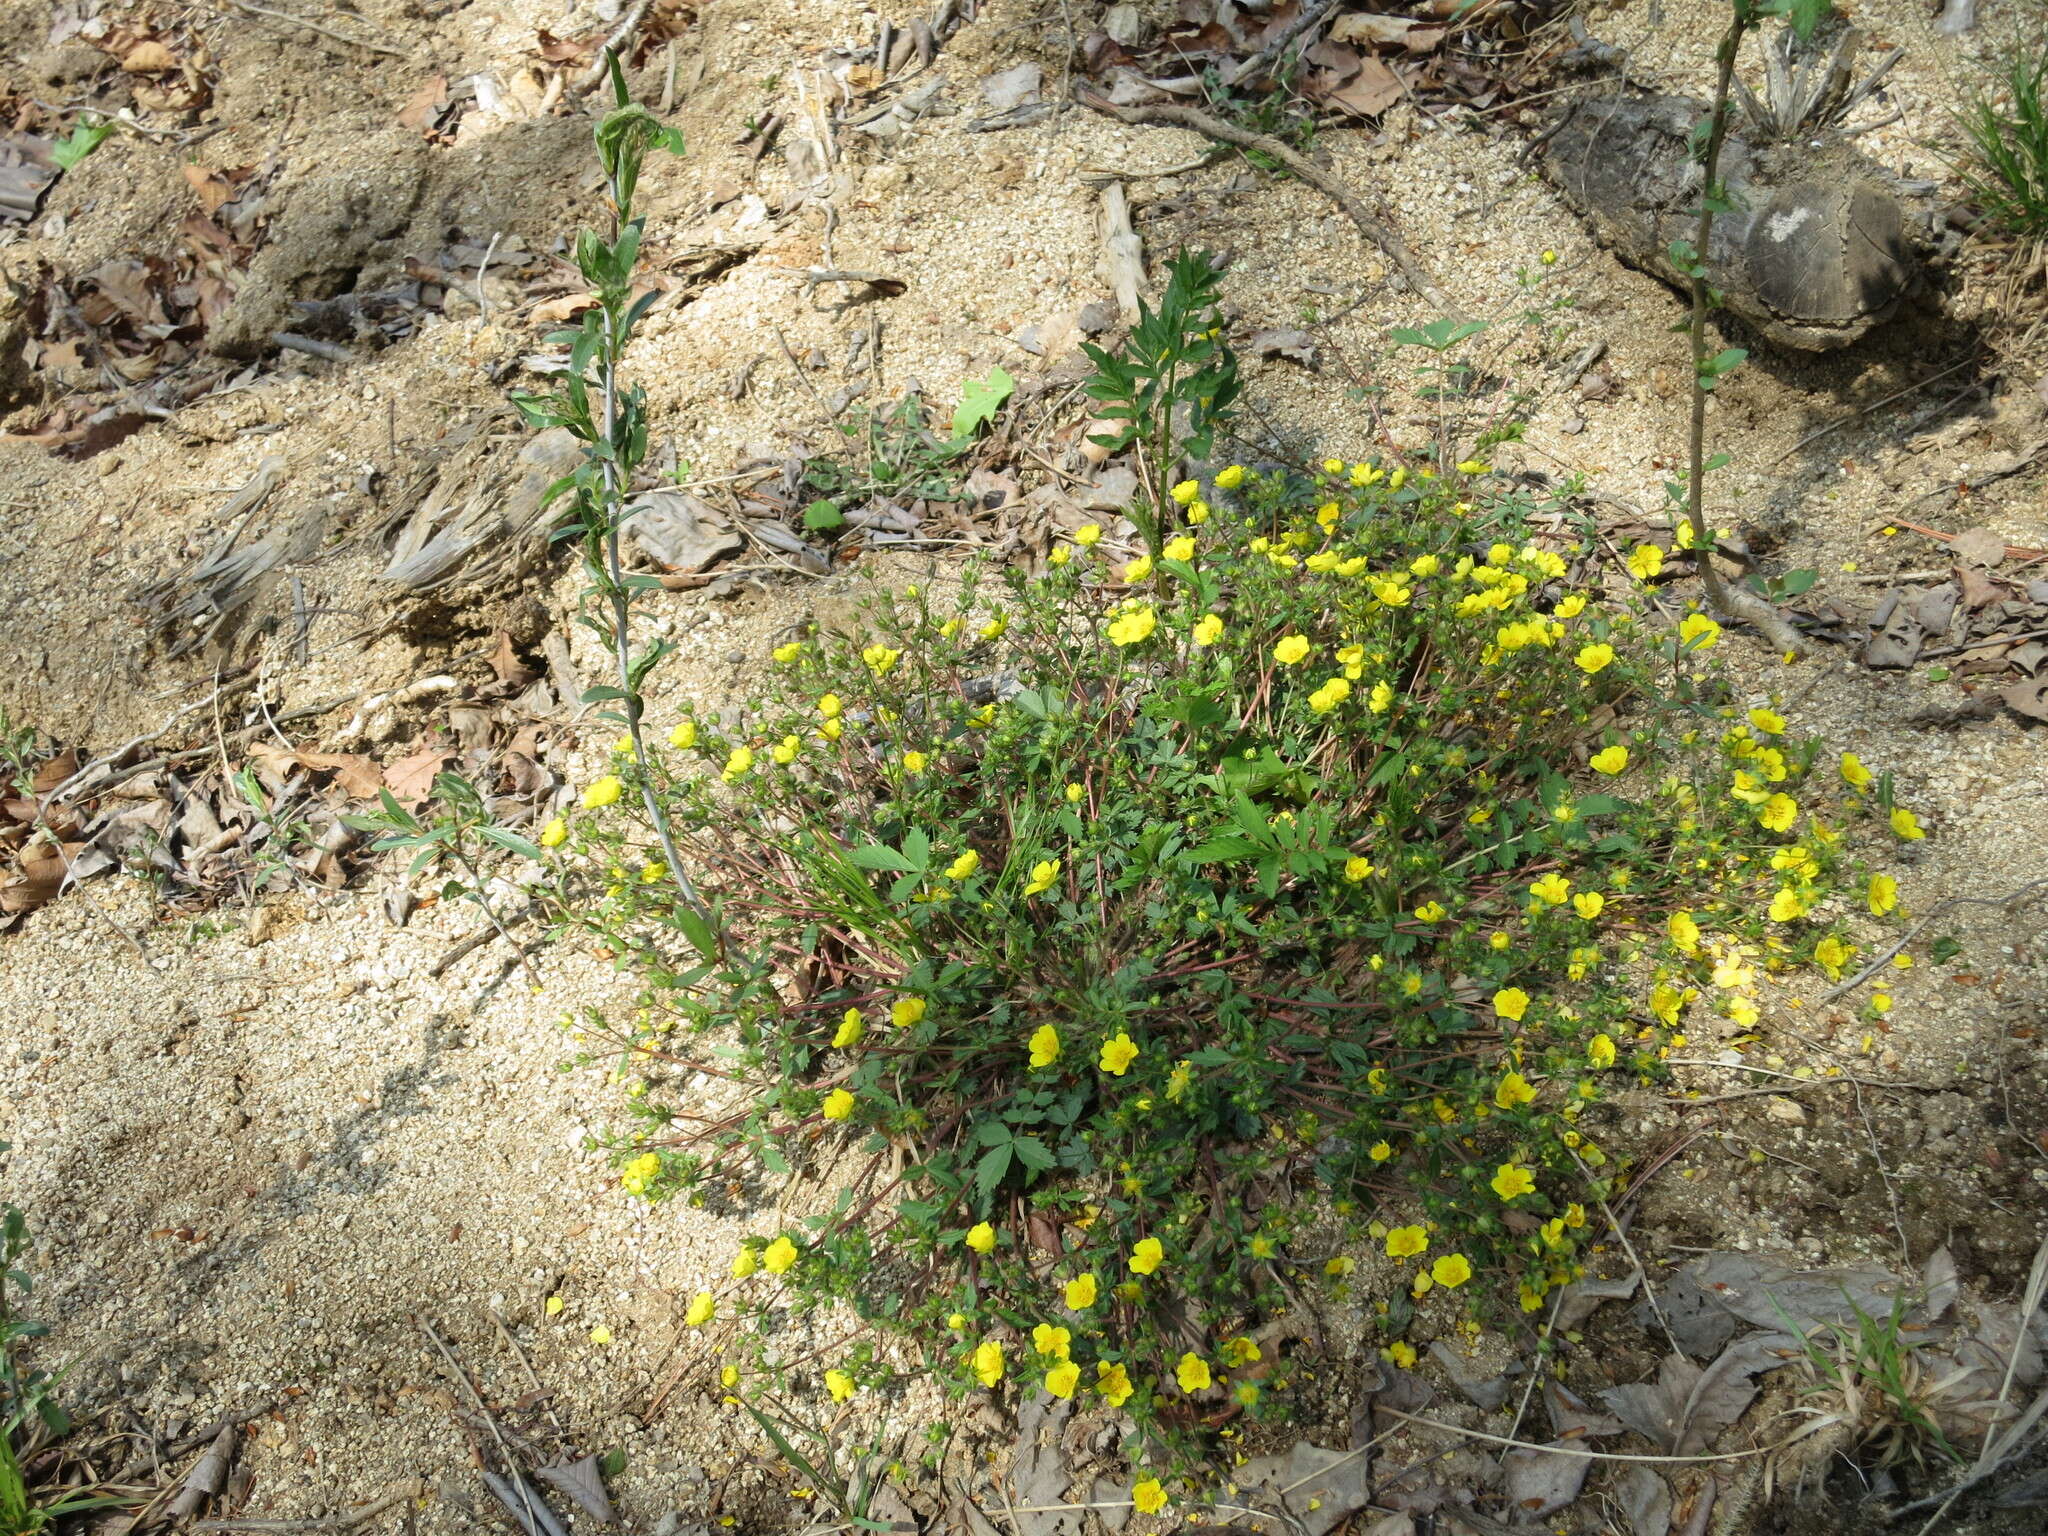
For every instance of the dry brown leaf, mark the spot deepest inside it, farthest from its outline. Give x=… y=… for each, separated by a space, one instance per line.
x=1376 y=89
x=54 y=771
x=2029 y=697
x=148 y=58
x=1978 y=546
x=411 y=778
x=358 y=775
x=424 y=107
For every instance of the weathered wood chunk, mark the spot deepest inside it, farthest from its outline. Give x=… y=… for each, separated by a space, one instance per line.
x=1815 y=253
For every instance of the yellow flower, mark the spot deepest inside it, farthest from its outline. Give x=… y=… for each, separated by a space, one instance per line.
x=1061 y=1380
x=779 y=1257
x=1147 y=1497
x=963 y=866
x=1208 y=629
x=1572 y=606
x=1182 y=548
x=988 y=1362
x=1511 y=1003
x=1880 y=1003
x=1088 y=535
x=1589 y=904
x=1514 y=1090
x=839 y=1384
x=1552 y=889
x=1049 y=1339
x=1138 y=569
x=995 y=628
x=1600 y=1052
x=838 y=1105
x=1076 y=794
x=1188 y=490
x=785 y=750
x=1357 y=869
x=981 y=1237
x=851 y=1028
x=1779 y=812
x=1043 y=874
x=1906 y=824
x=1832 y=955
x=1685 y=933
x=880 y=659
x=739 y=762
x=1045 y=1046
x=830 y=707
x=703 y=1307
x=1592 y=658
x=1117 y=1054
x=1113 y=1382
x=1854 y=774
x=906 y=1011
x=1645 y=562
x=1230 y=478
x=605 y=791
x=1883 y=894
x=1769 y=721
x=832 y=729
x=1329 y=696
x=555 y=1305
x=1192 y=1373
x=1240 y=1352
x=788 y=653
x=1451 y=1271
x=600 y=1334
x=1060 y=556
x=1473 y=467
x=1381 y=1151
x=1147 y=1255
x=1786 y=905
x=1511 y=1182
x=554 y=834
x=1405 y=1242
x=1610 y=760
x=1133 y=625
x=1291 y=650
x=1430 y=912
x=1381 y=699
x=1340 y=1266
x=744 y=1263
x=1081 y=1292
x=1401 y=1353
x=684 y=736
x=1697 y=632
x=915 y=762
x=1198 y=513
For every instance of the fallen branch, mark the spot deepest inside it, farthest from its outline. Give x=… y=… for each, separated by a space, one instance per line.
x=206 y=1477
x=344 y=1520
x=1298 y=166
x=2008 y=901
x=314 y=26
x=628 y=25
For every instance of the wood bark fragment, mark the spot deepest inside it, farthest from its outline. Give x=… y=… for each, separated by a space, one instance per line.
x=1814 y=253
x=206 y=1476
x=1123 y=254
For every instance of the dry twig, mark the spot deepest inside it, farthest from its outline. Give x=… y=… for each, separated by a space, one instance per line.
x=1298 y=166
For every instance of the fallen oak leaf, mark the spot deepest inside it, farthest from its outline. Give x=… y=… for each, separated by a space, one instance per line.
x=411 y=778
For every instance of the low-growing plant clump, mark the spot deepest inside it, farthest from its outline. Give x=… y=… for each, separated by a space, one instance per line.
x=1158 y=926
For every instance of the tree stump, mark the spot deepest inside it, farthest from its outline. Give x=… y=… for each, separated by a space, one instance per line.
x=1813 y=256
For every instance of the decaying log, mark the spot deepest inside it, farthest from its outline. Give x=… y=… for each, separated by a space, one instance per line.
x=1818 y=249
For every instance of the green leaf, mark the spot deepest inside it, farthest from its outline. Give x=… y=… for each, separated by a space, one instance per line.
x=821 y=516
x=1226 y=849
x=613 y=1462
x=511 y=842
x=980 y=399
x=87 y=135
x=877 y=856
x=990 y=1168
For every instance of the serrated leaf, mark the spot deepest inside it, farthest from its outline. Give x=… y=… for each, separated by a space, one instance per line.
x=980 y=399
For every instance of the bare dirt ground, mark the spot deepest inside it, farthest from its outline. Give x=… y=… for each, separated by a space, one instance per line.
x=254 y=1148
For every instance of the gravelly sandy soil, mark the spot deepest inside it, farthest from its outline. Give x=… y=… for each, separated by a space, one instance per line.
x=250 y=1166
